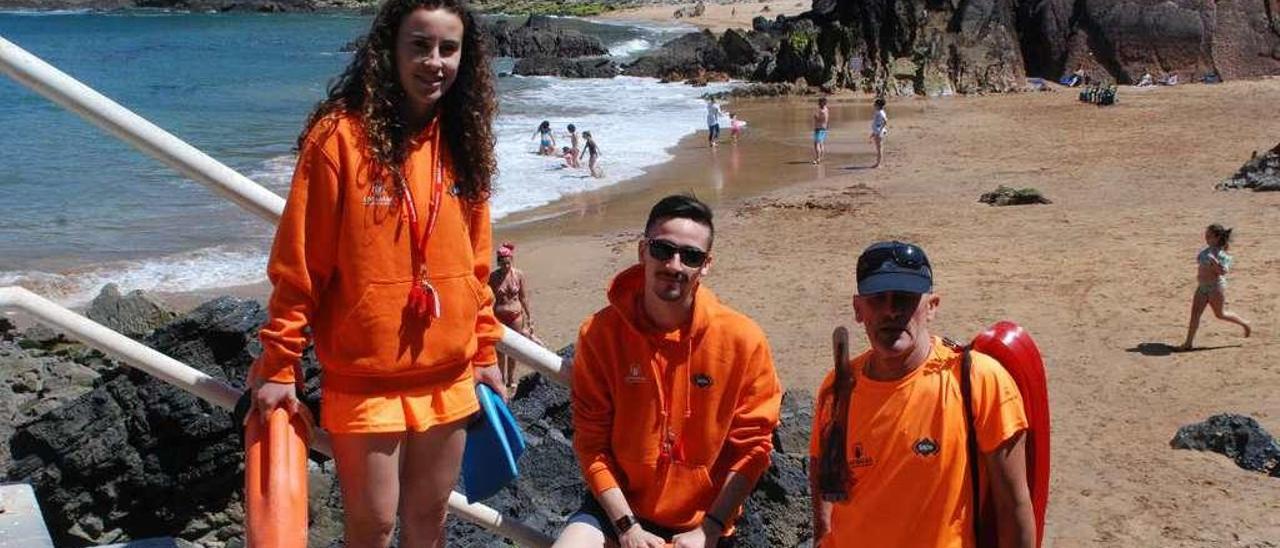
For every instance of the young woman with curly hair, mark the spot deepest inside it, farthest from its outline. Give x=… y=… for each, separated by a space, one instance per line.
x=382 y=258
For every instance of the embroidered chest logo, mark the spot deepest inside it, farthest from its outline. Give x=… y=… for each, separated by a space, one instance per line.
x=860 y=458
x=925 y=447
x=378 y=196
x=702 y=380
x=635 y=375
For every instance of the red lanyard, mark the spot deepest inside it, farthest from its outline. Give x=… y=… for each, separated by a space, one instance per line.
x=424 y=300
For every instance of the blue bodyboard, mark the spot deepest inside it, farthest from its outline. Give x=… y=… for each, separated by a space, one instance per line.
x=494 y=446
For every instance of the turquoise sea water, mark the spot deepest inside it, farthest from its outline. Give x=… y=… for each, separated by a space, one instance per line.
x=80 y=208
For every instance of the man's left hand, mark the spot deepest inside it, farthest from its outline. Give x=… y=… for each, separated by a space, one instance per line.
x=492 y=376
x=706 y=535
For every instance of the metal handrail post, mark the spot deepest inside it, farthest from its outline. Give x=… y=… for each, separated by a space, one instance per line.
x=219 y=393
x=66 y=91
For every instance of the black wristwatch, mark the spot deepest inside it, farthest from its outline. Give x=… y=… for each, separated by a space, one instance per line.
x=624 y=523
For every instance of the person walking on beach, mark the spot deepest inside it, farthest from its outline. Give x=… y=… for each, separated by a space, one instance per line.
x=675 y=398
x=821 y=117
x=889 y=461
x=546 y=141
x=713 y=122
x=594 y=151
x=382 y=257
x=1213 y=263
x=510 y=305
x=879 y=129
x=573 y=147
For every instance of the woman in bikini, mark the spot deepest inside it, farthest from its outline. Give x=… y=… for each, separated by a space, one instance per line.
x=510 y=305
x=1211 y=279
x=547 y=143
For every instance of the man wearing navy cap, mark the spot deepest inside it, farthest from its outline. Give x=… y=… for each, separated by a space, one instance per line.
x=893 y=467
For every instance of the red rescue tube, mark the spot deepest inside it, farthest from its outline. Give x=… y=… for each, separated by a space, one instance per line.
x=1013 y=347
x=275 y=481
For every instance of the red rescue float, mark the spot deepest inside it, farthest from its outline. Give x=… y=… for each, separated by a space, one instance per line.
x=275 y=480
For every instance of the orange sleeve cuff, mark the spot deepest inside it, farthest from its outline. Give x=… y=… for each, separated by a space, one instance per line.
x=600 y=478
x=753 y=465
x=274 y=368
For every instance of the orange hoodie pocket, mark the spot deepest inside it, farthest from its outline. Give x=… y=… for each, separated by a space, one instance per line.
x=680 y=491
x=379 y=335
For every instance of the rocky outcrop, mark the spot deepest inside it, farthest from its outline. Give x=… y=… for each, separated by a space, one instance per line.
x=1261 y=172
x=134 y=315
x=735 y=53
x=123 y=456
x=1238 y=437
x=591 y=67
x=540 y=36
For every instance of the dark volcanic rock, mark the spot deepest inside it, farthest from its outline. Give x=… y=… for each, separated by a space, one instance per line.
x=1238 y=437
x=540 y=36
x=1261 y=172
x=686 y=56
x=593 y=67
x=1007 y=196
x=134 y=315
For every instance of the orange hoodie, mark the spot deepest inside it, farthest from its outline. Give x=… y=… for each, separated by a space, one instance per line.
x=710 y=387
x=342 y=269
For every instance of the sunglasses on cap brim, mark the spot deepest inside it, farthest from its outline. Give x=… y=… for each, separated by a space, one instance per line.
x=663 y=250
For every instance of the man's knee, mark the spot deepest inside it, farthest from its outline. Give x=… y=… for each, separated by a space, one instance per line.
x=580 y=535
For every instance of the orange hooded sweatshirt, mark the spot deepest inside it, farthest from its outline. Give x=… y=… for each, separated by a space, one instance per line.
x=341 y=267
x=710 y=389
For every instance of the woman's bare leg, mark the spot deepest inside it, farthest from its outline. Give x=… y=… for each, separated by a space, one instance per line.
x=369 y=475
x=432 y=461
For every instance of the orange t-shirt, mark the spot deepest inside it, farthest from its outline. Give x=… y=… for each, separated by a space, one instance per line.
x=906 y=451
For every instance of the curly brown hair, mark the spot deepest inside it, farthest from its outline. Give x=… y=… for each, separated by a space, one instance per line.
x=370 y=88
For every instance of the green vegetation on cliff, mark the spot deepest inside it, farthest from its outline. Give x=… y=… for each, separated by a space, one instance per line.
x=544 y=7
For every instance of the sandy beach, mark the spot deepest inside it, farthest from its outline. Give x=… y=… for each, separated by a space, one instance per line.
x=716 y=17
x=1101 y=278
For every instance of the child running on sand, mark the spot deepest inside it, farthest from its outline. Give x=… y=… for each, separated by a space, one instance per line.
x=594 y=151
x=573 y=146
x=735 y=127
x=547 y=146
x=1211 y=279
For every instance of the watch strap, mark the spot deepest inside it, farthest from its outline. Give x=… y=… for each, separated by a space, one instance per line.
x=624 y=523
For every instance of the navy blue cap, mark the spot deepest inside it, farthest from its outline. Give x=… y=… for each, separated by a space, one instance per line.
x=894 y=266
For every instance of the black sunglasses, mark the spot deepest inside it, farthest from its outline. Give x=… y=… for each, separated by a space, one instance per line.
x=903 y=255
x=663 y=250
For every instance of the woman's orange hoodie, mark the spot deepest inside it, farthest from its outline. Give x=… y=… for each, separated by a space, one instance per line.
x=711 y=387
x=342 y=269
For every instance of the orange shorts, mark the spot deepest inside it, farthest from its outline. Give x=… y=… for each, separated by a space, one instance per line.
x=414 y=410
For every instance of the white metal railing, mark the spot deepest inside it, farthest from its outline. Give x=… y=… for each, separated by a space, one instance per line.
x=117 y=120
x=221 y=394
x=59 y=87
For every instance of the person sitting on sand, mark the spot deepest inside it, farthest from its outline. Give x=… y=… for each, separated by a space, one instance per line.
x=820 y=118
x=547 y=144
x=1170 y=79
x=879 y=129
x=573 y=147
x=510 y=305
x=889 y=464
x=594 y=151
x=1146 y=81
x=1211 y=282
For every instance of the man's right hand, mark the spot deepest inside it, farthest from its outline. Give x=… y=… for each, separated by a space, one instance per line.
x=637 y=537
x=271 y=395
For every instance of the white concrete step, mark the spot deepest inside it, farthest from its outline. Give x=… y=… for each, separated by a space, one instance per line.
x=21 y=525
